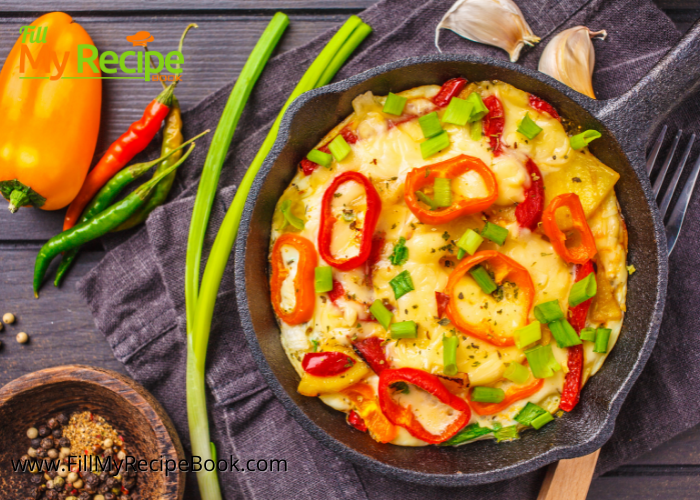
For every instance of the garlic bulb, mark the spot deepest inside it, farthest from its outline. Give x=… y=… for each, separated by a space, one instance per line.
x=493 y=22
x=569 y=57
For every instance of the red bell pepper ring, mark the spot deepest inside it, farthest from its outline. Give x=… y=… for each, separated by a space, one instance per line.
x=579 y=313
x=375 y=255
x=372 y=352
x=404 y=417
x=305 y=294
x=543 y=106
x=494 y=122
x=355 y=420
x=418 y=178
x=586 y=249
x=442 y=300
x=512 y=395
x=529 y=212
x=451 y=88
x=337 y=292
x=325 y=234
x=326 y=364
x=308 y=166
x=349 y=136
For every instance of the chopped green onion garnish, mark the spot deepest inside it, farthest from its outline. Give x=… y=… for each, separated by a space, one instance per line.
x=469 y=433
x=434 y=145
x=402 y=284
x=543 y=419
x=481 y=276
x=495 y=233
x=475 y=131
x=320 y=157
x=289 y=217
x=394 y=104
x=404 y=330
x=470 y=241
x=580 y=141
x=458 y=111
x=506 y=433
x=516 y=373
x=443 y=192
x=479 y=109
x=381 y=313
x=449 y=355
x=542 y=362
x=564 y=333
x=430 y=125
x=400 y=253
x=529 y=413
x=340 y=148
x=324 y=279
x=528 y=127
x=488 y=395
x=602 y=337
x=426 y=199
x=588 y=334
x=547 y=312
x=315 y=344
x=528 y=334
x=583 y=290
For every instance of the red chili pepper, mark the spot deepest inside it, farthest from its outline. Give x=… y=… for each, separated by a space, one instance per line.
x=451 y=88
x=326 y=364
x=356 y=421
x=403 y=416
x=494 y=121
x=337 y=292
x=371 y=350
x=543 y=106
x=529 y=212
x=124 y=490
x=325 y=234
x=579 y=313
x=375 y=255
x=585 y=249
x=348 y=135
x=129 y=144
x=307 y=166
x=304 y=290
x=442 y=300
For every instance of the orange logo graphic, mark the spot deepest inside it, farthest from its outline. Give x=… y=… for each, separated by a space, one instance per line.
x=140 y=39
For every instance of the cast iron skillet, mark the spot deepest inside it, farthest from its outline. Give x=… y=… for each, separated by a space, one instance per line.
x=624 y=122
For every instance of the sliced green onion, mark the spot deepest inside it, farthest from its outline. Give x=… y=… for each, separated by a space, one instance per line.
x=469 y=433
x=430 y=125
x=339 y=148
x=588 y=334
x=583 y=290
x=381 y=313
x=516 y=373
x=479 y=109
x=402 y=284
x=400 y=254
x=580 y=141
x=564 y=333
x=602 y=337
x=528 y=334
x=470 y=241
x=289 y=217
x=506 y=433
x=528 y=127
x=426 y=199
x=434 y=145
x=449 y=355
x=495 y=233
x=442 y=190
x=324 y=279
x=404 y=330
x=488 y=395
x=542 y=420
x=546 y=312
x=315 y=344
x=482 y=278
x=475 y=130
x=394 y=104
x=529 y=413
x=457 y=112
x=542 y=362
x=320 y=157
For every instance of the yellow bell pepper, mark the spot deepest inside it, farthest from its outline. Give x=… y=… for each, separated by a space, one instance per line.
x=312 y=385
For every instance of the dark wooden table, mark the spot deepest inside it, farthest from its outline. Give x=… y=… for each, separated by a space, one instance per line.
x=61 y=327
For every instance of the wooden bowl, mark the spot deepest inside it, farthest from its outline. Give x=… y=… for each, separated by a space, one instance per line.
x=148 y=431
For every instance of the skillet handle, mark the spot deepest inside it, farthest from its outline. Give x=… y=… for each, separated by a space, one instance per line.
x=635 y=114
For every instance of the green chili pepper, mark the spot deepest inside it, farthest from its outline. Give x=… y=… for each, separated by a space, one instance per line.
x=99 y=225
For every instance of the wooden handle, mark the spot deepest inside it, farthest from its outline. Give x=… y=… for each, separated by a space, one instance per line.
x=569 y=479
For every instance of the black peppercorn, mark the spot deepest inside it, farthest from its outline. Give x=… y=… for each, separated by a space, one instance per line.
x=108 y=453
x=57 y=433
x=36 y=478
x=124 y=497
x=110 y=496
x=51 y=495
x=35 y=443
x=47 y=443
x=86 y=496
x=62 y=418
x=52 y=474
x=103 y=476
x=64 y=442
x=103 y=489
x=129 y=482
x=41 y=453
x=43 y=431
x=53 y=423
x=112 y=482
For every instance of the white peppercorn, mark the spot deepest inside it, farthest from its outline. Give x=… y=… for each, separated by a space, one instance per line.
x=32 y=433
x=63 y=470
x=8 y=318
x=72 y=477
x=31 y=452
x=107 y=443
x=22 y=337
x=78 y=484
x=53 y=454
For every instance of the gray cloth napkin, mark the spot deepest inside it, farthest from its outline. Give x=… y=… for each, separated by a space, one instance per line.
x=136 y=292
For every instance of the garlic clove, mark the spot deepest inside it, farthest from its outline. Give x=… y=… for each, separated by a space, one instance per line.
x=493 y=22
x=569 y=57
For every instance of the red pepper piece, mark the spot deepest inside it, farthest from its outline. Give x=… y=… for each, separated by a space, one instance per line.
x=307 y=166
x=337 y=292
x=375 y=256
x=356 y=421
x=578 y=314
x=403 y=416
x=442 y=300
x=325 y=234
x=494 y=121
x=349 y=136
x=371 y=350
x=305 y=295
x=529 y=212
x=326 y=364
x=586 y=249
x=451 y=88
x=543 y=106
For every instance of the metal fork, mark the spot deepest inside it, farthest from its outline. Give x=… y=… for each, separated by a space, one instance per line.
x=675 y=220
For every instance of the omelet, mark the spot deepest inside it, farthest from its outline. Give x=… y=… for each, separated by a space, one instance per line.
x=449 y=265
